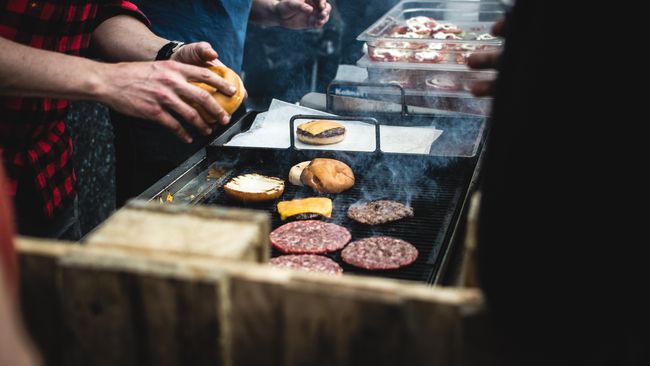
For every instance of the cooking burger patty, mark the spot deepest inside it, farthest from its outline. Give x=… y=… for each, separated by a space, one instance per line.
x=379 y=252
x=379 y=212
x=309 y=237
x=308 y=262
x=328 y=133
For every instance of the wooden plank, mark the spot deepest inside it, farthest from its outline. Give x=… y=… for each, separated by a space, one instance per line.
x=355 y=320
x=187 y=230
x=39 y=296
x=128 y=310
x=328 y=322
x=256 y=315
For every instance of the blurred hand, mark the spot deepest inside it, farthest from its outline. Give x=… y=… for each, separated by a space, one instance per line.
x=152 y=90
x=486 y=60
x=303 y=14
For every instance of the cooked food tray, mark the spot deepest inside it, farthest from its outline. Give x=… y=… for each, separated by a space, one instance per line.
x=443 y=33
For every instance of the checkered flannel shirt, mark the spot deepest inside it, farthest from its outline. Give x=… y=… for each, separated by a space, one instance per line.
x=34 y=141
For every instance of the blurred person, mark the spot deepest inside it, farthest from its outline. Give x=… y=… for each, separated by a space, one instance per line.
x=144 y=153
x=41 y=71
x=558 y=257
x=15 y=347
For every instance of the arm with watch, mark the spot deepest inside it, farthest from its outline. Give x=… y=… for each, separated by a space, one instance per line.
x=145 y=89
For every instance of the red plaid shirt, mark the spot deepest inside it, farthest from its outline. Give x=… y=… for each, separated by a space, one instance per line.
x=34 y=141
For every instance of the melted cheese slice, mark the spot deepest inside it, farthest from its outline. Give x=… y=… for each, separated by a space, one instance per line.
x=317 y=126
x=317 y=205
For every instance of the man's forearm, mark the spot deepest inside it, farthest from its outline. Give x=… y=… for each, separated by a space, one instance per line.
x=27 y=71
x=263 y=12
x=125 y=38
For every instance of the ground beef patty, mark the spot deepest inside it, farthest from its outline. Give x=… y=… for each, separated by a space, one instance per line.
x=309 y=237
x=379 y=252
x=308 y=262
x=379 y=212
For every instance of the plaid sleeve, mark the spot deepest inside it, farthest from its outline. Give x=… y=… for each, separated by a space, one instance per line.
x=112 y=8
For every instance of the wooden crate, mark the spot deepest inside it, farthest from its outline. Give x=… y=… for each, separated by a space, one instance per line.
x=108 y=304
x=207 y=231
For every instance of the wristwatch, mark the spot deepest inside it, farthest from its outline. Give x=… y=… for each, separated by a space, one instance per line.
x=166 y=51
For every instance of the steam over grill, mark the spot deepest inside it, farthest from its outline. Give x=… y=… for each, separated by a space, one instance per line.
x=434 y=186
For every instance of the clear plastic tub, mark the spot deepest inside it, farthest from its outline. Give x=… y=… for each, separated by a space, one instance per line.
x=443 y=33
x=449 y=101
x=426 y=79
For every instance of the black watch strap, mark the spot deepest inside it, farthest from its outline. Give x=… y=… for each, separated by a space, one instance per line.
x=166 y=51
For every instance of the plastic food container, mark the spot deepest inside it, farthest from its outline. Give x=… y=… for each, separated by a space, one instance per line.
x=442 y=33
x=420 y=77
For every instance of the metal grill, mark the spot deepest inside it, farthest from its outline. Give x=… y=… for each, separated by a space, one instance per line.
x=434 y=189
x=434 y=185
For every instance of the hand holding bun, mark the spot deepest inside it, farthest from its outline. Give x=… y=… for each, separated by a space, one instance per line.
x=228 y=103
x=328 y=176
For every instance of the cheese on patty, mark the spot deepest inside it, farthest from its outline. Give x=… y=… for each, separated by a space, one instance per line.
x=319 y=126
x=317 y=205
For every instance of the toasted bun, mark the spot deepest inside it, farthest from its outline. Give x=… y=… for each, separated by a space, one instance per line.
x=308 y=132
x=229 y=104
x=254 y=188
x=296 y=171
x=328 y=176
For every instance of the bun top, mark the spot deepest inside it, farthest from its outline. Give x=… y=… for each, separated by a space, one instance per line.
x=319 y=126
x=228 y=103
x=328 y=176
x=255 y=183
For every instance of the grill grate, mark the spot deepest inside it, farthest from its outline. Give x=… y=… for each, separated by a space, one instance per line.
x=432 y=185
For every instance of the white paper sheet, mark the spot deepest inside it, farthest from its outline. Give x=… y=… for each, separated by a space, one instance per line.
x=271 y=129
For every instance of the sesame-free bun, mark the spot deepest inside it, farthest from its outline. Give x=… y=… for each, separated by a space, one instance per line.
x=254 y=188
x=296 y=171
x=328 y=176
x=228 y=103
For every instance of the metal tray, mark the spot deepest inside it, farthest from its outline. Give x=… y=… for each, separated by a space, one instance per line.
x=473 y=17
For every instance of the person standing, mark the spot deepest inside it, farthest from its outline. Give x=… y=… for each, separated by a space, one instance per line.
x=42 y=68
x=144 y=153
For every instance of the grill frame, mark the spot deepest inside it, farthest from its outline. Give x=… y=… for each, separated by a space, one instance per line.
x=458 y=173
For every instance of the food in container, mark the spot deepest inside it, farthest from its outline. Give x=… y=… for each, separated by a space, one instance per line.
x=454 y=29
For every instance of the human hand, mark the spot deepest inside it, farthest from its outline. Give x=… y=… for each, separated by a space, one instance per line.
x=152 y=90
x=199 y=54
x=486 y=60
x=302 y=14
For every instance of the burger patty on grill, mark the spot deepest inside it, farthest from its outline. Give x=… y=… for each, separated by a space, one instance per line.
x=379 y=252
x=308 y=262
x=379 y=212
x=309 y=237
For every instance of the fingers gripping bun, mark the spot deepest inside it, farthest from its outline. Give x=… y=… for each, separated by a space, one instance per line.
x=328 y=176
x=229 y=104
